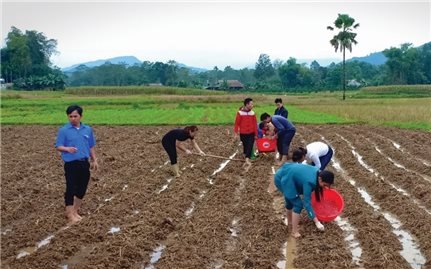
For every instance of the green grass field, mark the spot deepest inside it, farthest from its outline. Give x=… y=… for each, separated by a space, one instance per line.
x=209 y=108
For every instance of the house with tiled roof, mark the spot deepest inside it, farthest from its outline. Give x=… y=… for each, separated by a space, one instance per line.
x=226 y=85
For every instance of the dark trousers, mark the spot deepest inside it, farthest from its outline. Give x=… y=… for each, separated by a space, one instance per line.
x=247 y=143
x=325 y=159
x=283 y=141
x=77 y=175
x=171 y=149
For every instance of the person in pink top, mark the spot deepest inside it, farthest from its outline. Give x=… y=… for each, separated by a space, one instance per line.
x=246 y=128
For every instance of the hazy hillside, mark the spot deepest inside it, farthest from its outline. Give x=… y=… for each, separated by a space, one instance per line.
x=376 y=58
x=128 y=60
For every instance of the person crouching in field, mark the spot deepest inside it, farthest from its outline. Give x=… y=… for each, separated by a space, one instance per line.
x=172 y=141
x=295 y=179
x=76 y=142
x=246 y=127
x=317 y=154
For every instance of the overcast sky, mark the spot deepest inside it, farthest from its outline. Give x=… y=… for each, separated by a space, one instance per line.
x=214 y=33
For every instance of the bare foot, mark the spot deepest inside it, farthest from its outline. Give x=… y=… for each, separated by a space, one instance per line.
x=78 y=216
x=72 y=219
x=247 y=167
x=271 y=187
x=296 y=235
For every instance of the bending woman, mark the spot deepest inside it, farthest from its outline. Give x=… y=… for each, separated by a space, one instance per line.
x=294 y=179
x=318 y=154
x=173 y=140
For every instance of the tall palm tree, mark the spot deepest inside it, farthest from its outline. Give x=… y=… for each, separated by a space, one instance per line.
x=344 y=40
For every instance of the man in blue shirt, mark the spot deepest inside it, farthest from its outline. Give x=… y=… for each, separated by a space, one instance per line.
x=76 y=142
x=280 y=110
x=285 y=133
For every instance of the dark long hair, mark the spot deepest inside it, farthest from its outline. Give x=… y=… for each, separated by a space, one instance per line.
x=299 y=154
x=327 y=177
x=192 y=128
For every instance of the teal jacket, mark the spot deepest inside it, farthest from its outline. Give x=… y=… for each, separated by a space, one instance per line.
x=294 y=179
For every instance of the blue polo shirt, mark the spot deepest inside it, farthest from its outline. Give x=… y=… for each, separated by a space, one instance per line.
x=82 y=139
x=281 y=123
x=294 y=179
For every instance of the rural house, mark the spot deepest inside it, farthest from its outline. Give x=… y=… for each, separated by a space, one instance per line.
x=226 y=85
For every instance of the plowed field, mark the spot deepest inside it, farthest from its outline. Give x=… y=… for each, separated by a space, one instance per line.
x=137 y=216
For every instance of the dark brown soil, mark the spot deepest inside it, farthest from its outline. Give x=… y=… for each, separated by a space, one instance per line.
x=226 y=220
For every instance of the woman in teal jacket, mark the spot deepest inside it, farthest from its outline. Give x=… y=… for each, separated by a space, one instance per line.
x=294 y=179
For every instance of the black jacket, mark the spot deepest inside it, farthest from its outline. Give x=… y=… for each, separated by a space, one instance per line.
x=281 y=111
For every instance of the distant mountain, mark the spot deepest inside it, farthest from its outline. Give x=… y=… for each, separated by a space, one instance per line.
x=128 y=60
x=376 y=58
x=320 y=61
x=193 y=69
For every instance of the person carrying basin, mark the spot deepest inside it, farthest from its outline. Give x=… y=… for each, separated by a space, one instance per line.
x=285 y=131
x=295 y=179
x=174 y=139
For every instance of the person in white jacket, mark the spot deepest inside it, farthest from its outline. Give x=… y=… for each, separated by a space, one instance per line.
x=317 y=154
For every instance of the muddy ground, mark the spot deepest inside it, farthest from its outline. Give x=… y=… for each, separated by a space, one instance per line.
x=212 y=216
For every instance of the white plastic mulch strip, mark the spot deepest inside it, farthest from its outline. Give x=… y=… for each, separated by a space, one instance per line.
x=411 y=251
x=155 y=257
x=353 y=243
x=371 y=170
x=29 y=250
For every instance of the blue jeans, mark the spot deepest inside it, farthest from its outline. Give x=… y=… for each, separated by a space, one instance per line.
x=283 y=141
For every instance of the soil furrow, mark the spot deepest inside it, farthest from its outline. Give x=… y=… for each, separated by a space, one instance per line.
x=380 y=247
x=389 y=199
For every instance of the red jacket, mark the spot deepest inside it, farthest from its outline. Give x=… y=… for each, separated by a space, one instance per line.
x=245 y=121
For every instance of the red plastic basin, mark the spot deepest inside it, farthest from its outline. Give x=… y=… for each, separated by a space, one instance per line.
x=330 y=205
x=266 y=145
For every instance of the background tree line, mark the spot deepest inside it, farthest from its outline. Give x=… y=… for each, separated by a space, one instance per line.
x=404 y=65
x=25 y=61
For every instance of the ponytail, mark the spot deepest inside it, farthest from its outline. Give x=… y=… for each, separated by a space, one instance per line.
x=318 y=191
x=327 y=177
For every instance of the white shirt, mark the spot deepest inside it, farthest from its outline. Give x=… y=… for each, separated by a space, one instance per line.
x=316 y=150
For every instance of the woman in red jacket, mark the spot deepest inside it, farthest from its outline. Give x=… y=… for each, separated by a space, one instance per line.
x=246 y=126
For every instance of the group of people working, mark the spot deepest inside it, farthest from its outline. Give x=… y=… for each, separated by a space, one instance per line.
x=294 y=178
x=76 y=143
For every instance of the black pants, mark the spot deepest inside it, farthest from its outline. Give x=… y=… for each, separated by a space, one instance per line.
x=171 y=149
x=77 y=175
x=247 y=142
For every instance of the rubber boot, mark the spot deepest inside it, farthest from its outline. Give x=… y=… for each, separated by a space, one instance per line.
x=176 y=170
x=253 y=154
